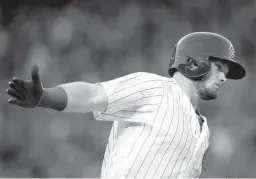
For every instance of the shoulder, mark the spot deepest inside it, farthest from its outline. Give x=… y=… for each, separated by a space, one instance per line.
x=146 y=79
x=140 y=80
x=142 y=75
x=137 y=78
x=133 y=81
x=143 y=79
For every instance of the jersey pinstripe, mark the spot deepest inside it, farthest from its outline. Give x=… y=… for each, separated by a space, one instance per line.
x=156 y=132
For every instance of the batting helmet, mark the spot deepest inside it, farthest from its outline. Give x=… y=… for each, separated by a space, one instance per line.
x=193 y=53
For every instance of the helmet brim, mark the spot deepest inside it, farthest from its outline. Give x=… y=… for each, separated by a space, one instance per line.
x=236 y=70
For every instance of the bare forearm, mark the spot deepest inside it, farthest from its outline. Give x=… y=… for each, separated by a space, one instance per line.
x=77 y=97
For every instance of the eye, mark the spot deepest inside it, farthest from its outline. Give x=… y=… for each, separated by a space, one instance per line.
x=222 y=69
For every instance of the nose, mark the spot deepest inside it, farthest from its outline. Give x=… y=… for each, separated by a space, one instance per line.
x=222 y=77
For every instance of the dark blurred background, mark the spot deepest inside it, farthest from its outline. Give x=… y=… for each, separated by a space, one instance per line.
x=98 y=40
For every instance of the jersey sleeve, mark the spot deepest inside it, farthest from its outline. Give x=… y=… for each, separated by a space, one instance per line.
x=131 y=98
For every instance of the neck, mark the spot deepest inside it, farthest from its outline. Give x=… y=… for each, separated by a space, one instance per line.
x=188 y=87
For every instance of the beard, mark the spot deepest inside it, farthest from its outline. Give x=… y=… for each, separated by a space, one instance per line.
x=206 y=93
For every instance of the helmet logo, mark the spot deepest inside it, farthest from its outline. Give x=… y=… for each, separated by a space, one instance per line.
x=192 y=64
x=232 y=52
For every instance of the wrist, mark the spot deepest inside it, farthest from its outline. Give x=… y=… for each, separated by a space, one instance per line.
x=54 y=98
x=41 y=102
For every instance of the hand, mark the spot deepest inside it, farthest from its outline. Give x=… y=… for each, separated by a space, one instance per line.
x=26 y=93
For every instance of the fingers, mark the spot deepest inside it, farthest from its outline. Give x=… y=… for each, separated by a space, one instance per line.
x=15 y=102
x=16 y=87
x=15 y=94
x=35 y=75
x=20 y=82
x=13 y=85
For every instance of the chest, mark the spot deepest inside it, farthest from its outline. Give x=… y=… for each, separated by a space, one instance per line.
x=176 y=115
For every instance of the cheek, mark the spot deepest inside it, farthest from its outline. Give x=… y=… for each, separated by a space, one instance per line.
x=211 y=78
x=210 y=83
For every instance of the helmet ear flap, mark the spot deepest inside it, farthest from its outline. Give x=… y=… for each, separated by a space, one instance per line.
x=195 y=68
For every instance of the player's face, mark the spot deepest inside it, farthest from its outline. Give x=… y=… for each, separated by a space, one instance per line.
x=209 y=88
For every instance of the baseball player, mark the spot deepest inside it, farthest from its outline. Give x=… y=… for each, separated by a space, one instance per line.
x=158 y=131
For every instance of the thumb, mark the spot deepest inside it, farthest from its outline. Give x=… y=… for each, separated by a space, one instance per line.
x=35 y=74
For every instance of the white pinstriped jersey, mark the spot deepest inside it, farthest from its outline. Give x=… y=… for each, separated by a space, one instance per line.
x=156 y=132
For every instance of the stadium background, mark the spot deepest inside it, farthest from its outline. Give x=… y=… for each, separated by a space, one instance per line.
x=97 y=40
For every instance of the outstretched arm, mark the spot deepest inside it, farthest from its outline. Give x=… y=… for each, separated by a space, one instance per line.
x=78 y=97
